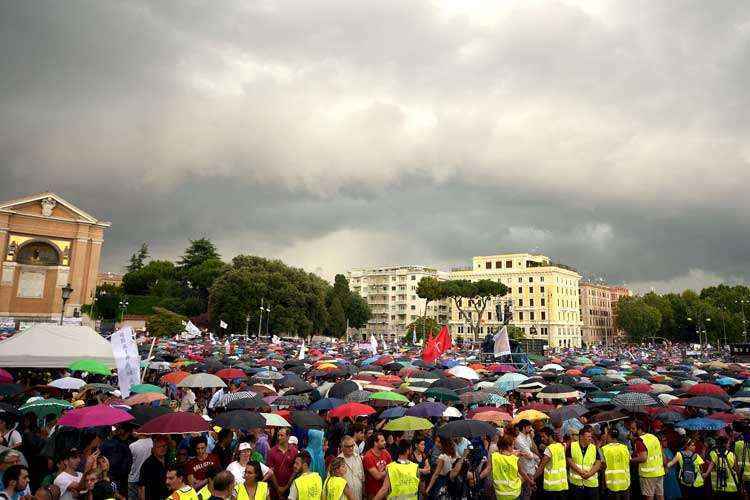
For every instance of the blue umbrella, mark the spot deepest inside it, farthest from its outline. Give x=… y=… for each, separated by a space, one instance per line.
x=395 y=412
x=701 y=424
x=594 y=371
x=427 y=409
x=370 y=360
x=326 y=404
x=727 y=381
x=450 y=363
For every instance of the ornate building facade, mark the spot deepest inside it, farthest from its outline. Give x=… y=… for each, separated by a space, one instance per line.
x=47 y=243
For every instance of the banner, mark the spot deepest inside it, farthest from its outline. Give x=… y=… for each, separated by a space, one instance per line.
x=127 y=360
x=373 y=345
x=502 y=343
x=302 y=351
x=222 y=324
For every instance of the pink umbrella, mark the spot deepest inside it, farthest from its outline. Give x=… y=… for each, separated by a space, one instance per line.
x=94 y=416
x=180 y=422
x=5 y=377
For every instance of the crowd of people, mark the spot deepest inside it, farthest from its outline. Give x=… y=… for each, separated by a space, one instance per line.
x=567 y=429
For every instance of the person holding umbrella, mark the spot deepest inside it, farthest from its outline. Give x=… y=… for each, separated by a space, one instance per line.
x=722 y=465
x=307 y=485
x=552 y=466
x=691 y=478
x=354 y=473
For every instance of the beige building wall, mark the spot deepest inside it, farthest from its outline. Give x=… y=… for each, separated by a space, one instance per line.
x=46 y=243
x=544 y=297
x=596 y=313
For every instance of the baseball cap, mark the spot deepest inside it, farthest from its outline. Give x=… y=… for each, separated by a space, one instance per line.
x=293 y=440
x=244 y=446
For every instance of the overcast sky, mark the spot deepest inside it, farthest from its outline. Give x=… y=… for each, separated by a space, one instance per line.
x=611 y=136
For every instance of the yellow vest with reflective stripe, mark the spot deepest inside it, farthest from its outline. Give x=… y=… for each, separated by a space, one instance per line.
x=505 y=478
x=743 y=457
x=261 y=491
x=309 y=486
x=185 y=493
x=730 y=486
x=585 y=462
x=617 y=473
x=654 y=464
x=555 y=472
x=333 y=488
x=404 y=480
x=204 y=493
x=698 y=477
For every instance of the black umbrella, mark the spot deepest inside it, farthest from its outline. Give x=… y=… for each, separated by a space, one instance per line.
x=240 y=419
x=669 y=417
x=634 y=401
x=392 y=367
x=342 y=389
x=567 y=412
x=307 y=419
x=253 y=403
x=10 y=389
x=144 y=413
x=707 y=402
x=454 y=384
x=299 y=387
x=467 y=429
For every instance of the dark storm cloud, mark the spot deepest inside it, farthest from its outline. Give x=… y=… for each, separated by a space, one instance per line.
x=612 y=136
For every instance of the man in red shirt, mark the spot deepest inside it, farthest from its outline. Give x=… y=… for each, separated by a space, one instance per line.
x=374 y=462
x=281 y=460
x=195 y=469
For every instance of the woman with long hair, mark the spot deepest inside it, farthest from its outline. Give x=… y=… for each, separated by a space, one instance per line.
x=442 y=483
x=252 y=488
x=420 y=457
x=335 y=486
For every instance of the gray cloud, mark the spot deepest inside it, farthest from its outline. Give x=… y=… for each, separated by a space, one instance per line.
x=612 y=136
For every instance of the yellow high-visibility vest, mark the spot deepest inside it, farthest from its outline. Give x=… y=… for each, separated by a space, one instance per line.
x=404 y=479
x=333 y=488
x=555 y=472
x=743 y=459
x=261 y=491
x=505 y=477
x=585 y=462
x=184 y=493
x=730 y=486
x=654 y=464
x=309 y=486
x=617 y=473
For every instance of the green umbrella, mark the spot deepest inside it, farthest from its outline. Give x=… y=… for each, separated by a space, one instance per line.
x=142 y=388
x=441 y=394
x=408 y=424
x=43 y=407
x=89 y=365
x=389 y=396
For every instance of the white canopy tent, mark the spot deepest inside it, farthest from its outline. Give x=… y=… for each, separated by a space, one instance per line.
x=54 y=346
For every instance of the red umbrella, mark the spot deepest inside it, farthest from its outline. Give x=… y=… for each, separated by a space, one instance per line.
x=94 y=416
x=5 y=377
x=537 y=406
x=501 y=368
x=351 y=410
x=644 y=388
x=726 y=417
x=180 y=422
x=704 y=389
x=384 y=360
x=174 y=377
x=230 y=373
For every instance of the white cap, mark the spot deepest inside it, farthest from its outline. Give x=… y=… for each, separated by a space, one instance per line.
x=293 y=440
x=244 y=446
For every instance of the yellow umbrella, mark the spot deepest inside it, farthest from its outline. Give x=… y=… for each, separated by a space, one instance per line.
x=530 y=415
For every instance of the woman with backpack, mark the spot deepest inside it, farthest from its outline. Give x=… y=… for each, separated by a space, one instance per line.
x=690 y=476
x=722 y=465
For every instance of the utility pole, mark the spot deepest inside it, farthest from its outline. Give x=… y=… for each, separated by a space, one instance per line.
x=260 y=319
x=268 y=316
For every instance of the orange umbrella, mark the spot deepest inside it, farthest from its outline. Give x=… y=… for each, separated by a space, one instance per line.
x=174 y=377
x=496 y=417
x=144 y=398
x=574 y=372
x=476 y=366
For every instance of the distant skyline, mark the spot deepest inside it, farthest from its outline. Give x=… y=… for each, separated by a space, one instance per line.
x=611 y=136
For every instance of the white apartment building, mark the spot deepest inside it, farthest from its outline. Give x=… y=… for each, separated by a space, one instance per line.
x=391 y=292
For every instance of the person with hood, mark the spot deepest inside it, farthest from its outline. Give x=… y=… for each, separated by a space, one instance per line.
x=315 y=449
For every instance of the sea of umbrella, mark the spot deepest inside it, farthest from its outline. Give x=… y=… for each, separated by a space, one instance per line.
x=464 y=396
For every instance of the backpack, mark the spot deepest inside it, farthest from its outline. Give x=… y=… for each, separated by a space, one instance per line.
x=687 y=471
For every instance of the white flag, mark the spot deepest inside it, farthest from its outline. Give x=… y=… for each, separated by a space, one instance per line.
x=373 y=345
x=414 y=336
x=127 y=359
x=382 y=341
x=302 y=351
x=275 y=340
x=192 y=331
x=227 y=346
x=222 y=324
x=502 y=344
x=211 y=337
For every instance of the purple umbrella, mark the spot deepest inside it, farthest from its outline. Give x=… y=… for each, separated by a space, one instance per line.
x=94 y=416
x=427 y=409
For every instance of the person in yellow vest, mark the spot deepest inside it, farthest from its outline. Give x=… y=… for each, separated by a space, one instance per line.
x=742 y=454
x=583 y=465
x=253 y=488
x=335 y=486
x=552 y=467
x=401 y=477
x=650 y=459
x=722 y=465
x=176 y=482
x=615 y=458
x=306 y=485
x=208 y=490
x=507 y=477
x=222 y=486
x=690 y=476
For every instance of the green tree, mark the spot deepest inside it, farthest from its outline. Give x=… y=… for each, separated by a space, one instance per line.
x=358 y=311
x=138 y=259
x=516 y=332
x=336 y=319
x=198 y=252
x=639 y=320
x=422 y=326
x=203 y=275
x=141 y=281
x=467 y=295
x=430 y=289
x=165 y=323
x=107 y=302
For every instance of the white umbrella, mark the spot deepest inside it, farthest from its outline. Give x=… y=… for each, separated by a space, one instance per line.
x=452 y=412
x=201 y=381
x=552 y=366
x=464 y=372
x=68 y=383
x=666 y=398
x=273 y=420
x=160 y=366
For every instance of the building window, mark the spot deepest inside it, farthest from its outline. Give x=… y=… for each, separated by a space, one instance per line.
x=393 y=316
x=520 y=290
x=544 y=315
x=393 y=288
x=508 y=264
x=541 y=278
x=531 y=289
x=488 y=265
x=520 y=302
x=544 y=302
x=498 y=264
x=489 y=316
x=531 y=302
x=520 y=280
x=520 y=316
x=413 y=278
x=413 y=307
x=531 y=316
x=541 y=289
x=531 y=279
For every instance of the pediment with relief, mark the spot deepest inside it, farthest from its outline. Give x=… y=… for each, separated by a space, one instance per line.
x=47 y=205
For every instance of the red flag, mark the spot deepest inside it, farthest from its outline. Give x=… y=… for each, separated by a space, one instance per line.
x=444 y=340
x=431 y=351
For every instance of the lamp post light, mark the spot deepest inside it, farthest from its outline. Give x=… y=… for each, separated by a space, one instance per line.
x=742 y=303
x=123 y=309
x=268 y=316
x=67 y=290
x=260 y=319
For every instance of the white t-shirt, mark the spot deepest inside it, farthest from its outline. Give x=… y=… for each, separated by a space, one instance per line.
x=141 y=450
x=63 y=480
x=12 y=438
x=448 y=463
x=238 y=471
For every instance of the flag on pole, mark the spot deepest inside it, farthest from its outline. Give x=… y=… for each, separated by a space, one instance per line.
x=414 y=336
x=302 y=351
x=222 y=324
x=444 y=340
x=275 y=340
x=502 y=343
x=373 y=345
x=431 y=352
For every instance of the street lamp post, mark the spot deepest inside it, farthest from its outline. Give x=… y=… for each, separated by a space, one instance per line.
x=260 y=319
x=268 y=316
x=66 y=291
x=742 y=303
x=123 y=309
